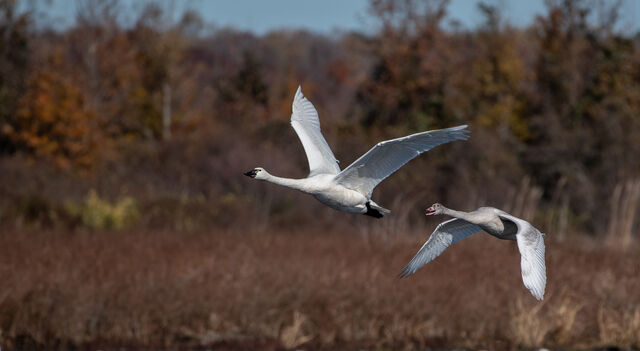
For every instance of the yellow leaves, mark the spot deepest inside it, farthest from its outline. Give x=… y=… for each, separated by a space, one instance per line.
x=507 y=110
x=501 y=69
x=500 y=73
x=96 y=213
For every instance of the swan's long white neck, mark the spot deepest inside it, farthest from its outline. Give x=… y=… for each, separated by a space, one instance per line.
x=489 y=222
x=298 y=184
x=458 y=214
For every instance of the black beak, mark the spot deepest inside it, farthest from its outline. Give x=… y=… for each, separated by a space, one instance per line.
x=251 y=173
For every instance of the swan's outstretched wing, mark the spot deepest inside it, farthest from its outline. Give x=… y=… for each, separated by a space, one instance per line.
x=388 y=156
x=305 y=122
x=531 y=246
x=447 y=233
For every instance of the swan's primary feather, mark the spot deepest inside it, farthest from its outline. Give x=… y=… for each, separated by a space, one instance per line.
x=531 y=246
x=388 y=156
x=305 y=122
x=446 y=234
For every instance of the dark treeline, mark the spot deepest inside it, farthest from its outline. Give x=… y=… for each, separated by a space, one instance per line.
x=151 y=124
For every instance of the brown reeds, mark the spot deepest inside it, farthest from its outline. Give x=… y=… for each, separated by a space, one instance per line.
x=524 y=200
x=306 y=290
x=624 y=203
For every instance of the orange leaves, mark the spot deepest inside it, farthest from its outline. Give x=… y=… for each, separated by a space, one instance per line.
x=52 y=121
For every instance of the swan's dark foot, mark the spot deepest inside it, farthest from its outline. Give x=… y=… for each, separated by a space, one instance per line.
x=375 y=211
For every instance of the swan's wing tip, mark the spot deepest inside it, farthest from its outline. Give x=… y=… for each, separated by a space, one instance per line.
x=298 y=96
x=406 y=271
x=460 y=132
x=298 y=101
x=462 y=127
x=539 y=297
x=537 y=292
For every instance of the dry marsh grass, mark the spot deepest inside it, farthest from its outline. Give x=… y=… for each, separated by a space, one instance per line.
x=306 y=290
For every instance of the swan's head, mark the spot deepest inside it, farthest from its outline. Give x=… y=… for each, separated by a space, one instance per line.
x=256 y=173
x=434 y=209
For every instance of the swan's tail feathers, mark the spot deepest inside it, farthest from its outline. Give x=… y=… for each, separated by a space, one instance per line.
x=376 y=211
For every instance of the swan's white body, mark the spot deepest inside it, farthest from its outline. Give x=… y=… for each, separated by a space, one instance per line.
x=350 y=190
x=497 y=223
x=337 y=196
x=325 y=189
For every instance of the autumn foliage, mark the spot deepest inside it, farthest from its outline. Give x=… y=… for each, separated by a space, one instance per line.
x=552 y=109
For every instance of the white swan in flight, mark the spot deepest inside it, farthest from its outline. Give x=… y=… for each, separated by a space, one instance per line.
x=350 y=190
x=495 y=222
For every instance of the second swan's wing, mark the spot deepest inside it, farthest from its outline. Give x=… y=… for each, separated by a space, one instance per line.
x=447 y=233
x=531 y=246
